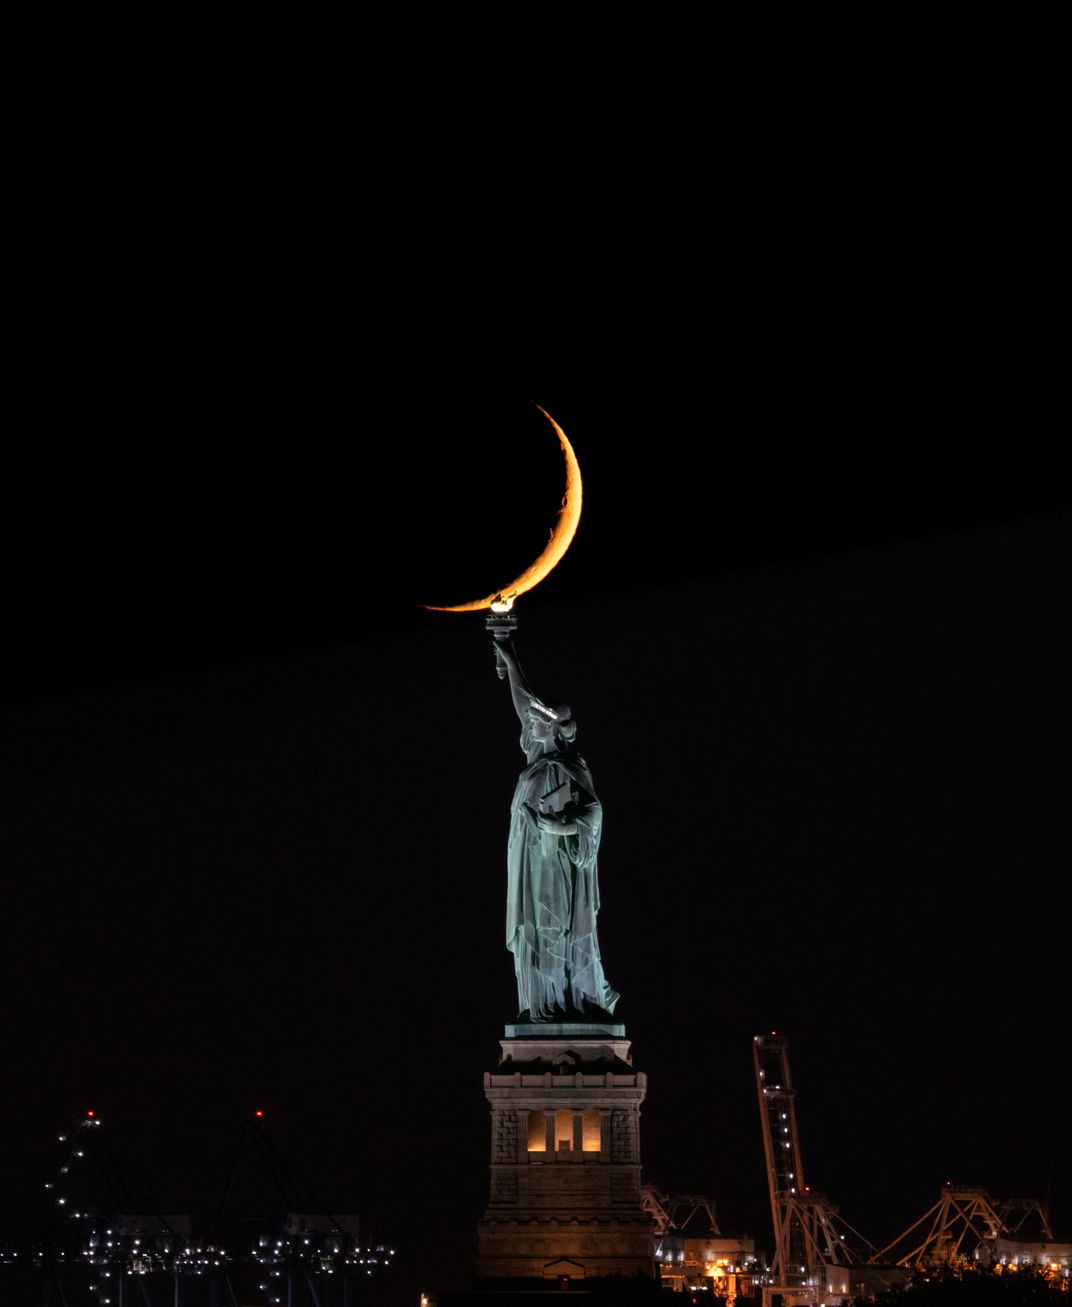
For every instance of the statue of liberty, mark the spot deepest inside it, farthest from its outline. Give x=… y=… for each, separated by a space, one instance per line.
x=552 y=892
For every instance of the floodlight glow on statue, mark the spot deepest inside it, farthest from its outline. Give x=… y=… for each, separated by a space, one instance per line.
x=552 y=885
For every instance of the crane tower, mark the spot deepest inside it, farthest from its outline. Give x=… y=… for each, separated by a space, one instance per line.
x=809 y=1235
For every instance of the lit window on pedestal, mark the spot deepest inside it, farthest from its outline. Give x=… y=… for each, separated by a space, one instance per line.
x=537 y=1133
x=563 y=1131
x=593 y=1138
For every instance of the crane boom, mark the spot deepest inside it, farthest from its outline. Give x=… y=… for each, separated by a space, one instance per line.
x=807 y=1229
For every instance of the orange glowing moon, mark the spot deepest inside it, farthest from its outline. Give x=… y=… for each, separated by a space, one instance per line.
x=562 y=533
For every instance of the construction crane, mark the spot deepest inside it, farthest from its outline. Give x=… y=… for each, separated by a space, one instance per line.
x=1017 y=1213
x=675 y=1213
x=810 y=1237
x=654 y=1202
x=958 y=1214
x=100 y=1236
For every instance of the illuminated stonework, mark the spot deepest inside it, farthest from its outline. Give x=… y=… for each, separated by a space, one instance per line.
x=565 y=1158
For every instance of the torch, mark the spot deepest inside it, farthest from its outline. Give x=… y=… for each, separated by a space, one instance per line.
x=502 y=623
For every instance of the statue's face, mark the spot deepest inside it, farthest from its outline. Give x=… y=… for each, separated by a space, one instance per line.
x=542 y=730
x=552 y=735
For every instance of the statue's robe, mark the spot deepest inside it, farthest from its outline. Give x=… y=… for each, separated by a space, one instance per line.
x=552 y=896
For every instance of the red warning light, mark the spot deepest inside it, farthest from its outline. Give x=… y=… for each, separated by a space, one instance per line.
x=258 y=1112
x=91 y=1113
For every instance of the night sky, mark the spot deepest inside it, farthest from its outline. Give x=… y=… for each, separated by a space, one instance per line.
x=245 y=873
x=254 y=800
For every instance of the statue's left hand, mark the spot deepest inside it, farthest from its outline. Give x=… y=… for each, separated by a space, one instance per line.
x=551 y=822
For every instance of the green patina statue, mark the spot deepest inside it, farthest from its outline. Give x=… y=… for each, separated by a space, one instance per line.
x=552 y=894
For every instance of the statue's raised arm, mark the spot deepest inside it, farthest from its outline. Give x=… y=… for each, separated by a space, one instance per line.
x=552 y=883
x=506 y=658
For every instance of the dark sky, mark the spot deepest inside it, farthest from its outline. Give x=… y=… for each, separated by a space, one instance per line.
x=828 y=742
x=253 y=801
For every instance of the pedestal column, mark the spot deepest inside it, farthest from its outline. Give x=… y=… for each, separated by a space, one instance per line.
x=565 y=1167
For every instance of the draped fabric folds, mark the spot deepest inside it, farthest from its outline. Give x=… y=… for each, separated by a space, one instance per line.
x=553 y=888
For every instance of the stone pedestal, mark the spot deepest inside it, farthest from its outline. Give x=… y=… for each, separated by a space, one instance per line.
x=565 y=1159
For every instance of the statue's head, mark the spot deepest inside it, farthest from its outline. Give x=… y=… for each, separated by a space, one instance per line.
x=552 y=724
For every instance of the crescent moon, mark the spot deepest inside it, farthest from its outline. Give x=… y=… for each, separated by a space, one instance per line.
x=562 y=533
